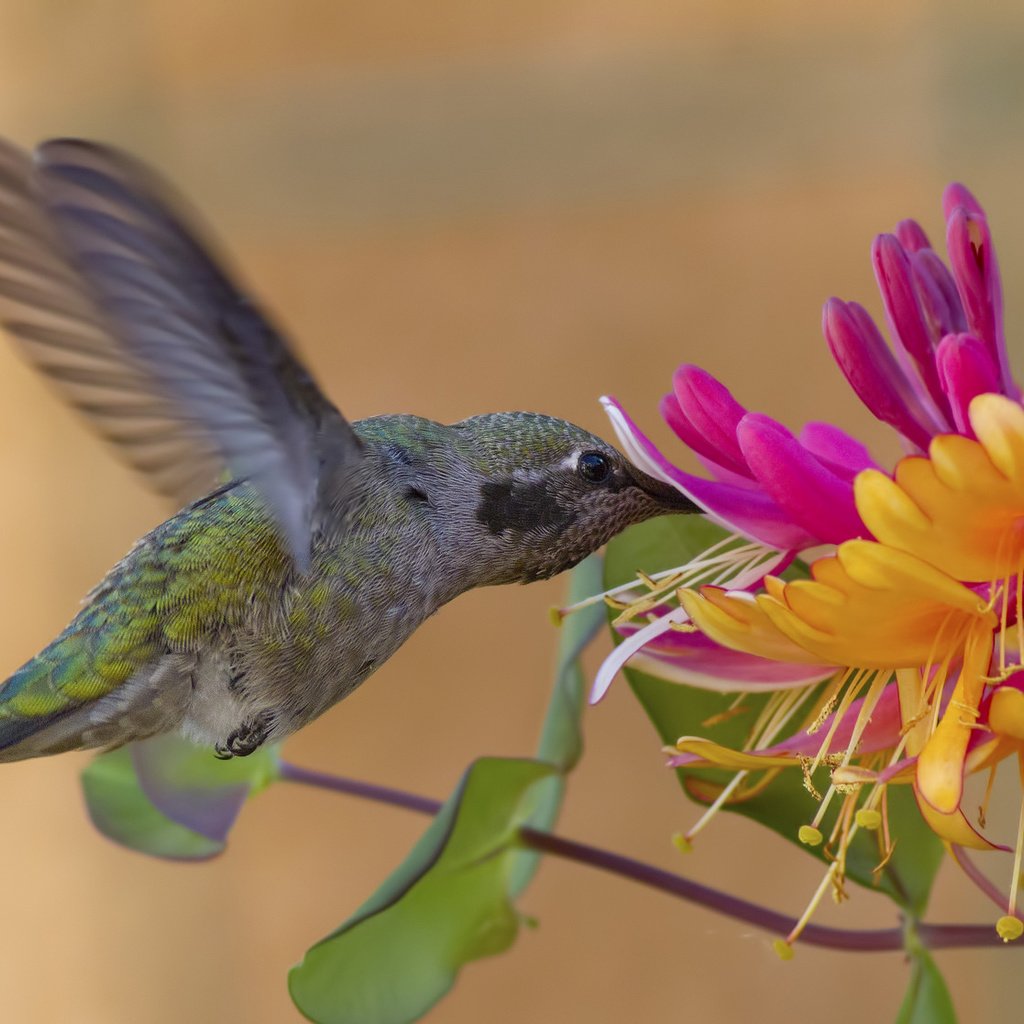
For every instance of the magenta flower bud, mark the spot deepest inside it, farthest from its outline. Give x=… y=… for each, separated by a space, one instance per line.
x=673 y=414
x=814 y=497
x=896 y=282
x=684 y=429
x=834 y=448
x=976 y=272
x=957 y=196
x=912 y=236
x=872 y=371
x=713 y=414
x=745 y=509
x=966 y=370
x=940 y=300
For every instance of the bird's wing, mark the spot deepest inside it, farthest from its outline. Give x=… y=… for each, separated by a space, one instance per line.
x=109 y=291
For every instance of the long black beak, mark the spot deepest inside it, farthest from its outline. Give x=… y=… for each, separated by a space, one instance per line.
x=665 y=495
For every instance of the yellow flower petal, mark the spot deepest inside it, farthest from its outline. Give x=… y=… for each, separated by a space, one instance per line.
x=875 y=607
x=954 y=827
x=962 y=508
x=1006 y=713
x=940 y=766
x=722 y=757
x=734 y=620
x=998 y=423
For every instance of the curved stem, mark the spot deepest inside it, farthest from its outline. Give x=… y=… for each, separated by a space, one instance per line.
x=354 y=787
x=934 y=936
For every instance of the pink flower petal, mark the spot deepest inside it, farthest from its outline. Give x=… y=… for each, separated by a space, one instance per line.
x=956 y=196
x=677 y=419
x=872 y=371
x=940 y=301
x=842 y=453
x=696 y=660
x=814 y=496
x=912 y=236
x=713 y=412
x=742 y=510
x=895 y=279
x=976 y=272
x=966 y=370
x=617 y=659
x=727 y=476
x=881 y=733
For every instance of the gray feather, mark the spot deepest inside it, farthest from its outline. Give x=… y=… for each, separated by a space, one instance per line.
x=113 y=296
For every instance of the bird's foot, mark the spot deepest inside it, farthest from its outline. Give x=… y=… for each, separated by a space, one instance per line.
x=248 y=737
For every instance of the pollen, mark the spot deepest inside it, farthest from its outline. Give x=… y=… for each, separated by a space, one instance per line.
x=868 y=818
x=809 y=835
x=783 y=949
x=681 y=842
x=1009 y=928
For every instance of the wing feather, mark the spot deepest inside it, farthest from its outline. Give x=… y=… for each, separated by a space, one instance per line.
x=107 y=288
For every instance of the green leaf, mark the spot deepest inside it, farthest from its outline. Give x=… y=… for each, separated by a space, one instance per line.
x=658 y=544
x=677 y=710
x=561 y=741
x=927 y=1000
x=122 y=812
x=451 y=901
x=169 y=798
x=446 y=905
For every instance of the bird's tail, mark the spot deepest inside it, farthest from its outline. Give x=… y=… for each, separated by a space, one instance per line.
x=90 y=687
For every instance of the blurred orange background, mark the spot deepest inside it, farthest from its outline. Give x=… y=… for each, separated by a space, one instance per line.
x=459 y=207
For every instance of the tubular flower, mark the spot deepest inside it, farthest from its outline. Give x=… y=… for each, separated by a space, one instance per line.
x=898 y=661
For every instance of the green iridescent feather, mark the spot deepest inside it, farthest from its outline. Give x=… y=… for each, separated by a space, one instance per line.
x=189 y=578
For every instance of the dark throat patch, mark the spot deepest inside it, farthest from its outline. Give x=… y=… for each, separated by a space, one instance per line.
x=511 y=505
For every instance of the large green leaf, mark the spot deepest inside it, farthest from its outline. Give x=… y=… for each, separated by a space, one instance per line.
x=170 y=798
x=677 y=710
x=927 y=1000
x=446 y=905
x=451 y=901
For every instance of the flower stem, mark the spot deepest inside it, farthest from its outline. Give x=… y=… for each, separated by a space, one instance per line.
x=355 y=787
x=934 y=936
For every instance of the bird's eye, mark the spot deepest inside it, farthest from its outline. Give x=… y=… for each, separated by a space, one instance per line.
x=594 y=467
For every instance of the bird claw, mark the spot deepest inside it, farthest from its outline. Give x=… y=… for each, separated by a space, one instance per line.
x=247 y=738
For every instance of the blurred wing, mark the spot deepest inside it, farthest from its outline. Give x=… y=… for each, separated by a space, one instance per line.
x=116 y=300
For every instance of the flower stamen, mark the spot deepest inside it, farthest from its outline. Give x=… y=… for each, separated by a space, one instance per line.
x=1011 y=927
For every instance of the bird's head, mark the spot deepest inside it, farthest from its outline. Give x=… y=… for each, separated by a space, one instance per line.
x=545 y=493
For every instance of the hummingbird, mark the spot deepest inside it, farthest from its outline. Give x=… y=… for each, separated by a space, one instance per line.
x=308 y=548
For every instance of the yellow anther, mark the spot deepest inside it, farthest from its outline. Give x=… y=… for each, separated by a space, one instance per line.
x=1009 y=928
x=868 y=818
x=681 y=843
x=809 y=835
x=683 y=627
x=556 y=616
x=783 y=949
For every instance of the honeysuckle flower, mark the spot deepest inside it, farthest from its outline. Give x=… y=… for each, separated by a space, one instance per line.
x=899 y=660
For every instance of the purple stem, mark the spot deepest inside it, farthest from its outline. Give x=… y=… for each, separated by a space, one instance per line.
x=353 y=787
x=933 y=936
